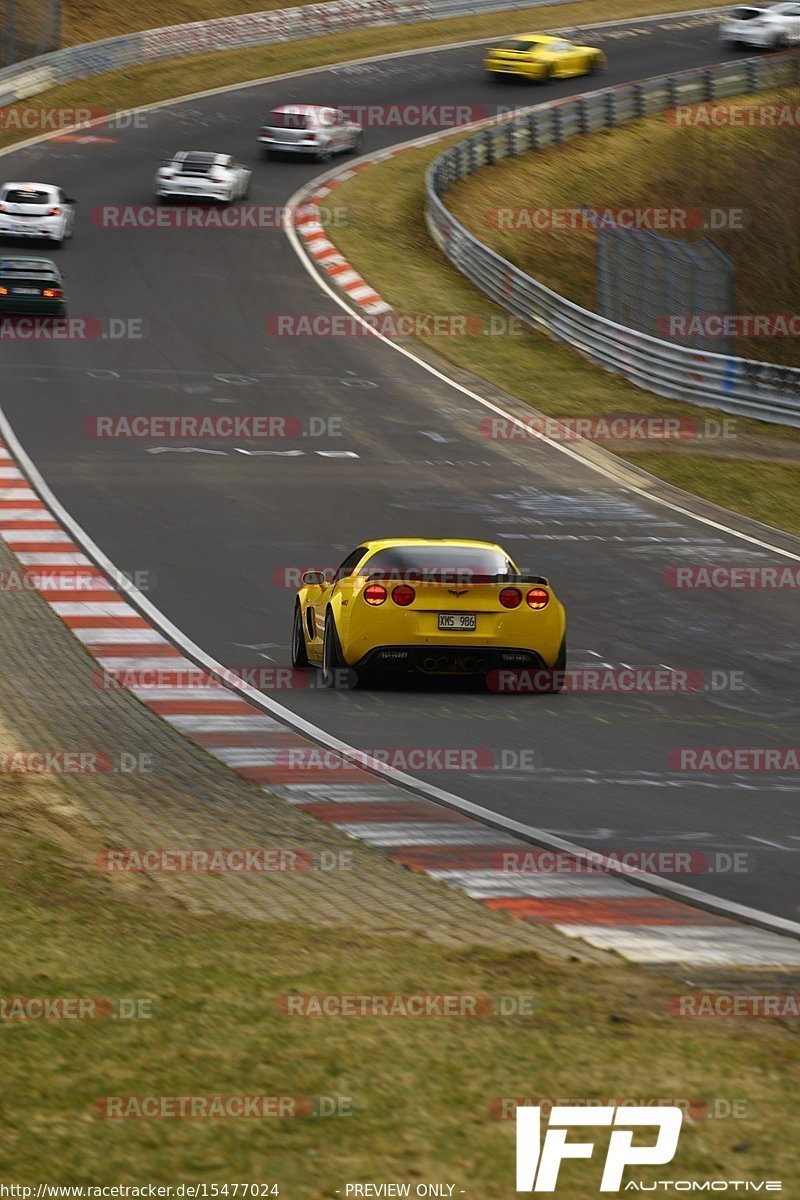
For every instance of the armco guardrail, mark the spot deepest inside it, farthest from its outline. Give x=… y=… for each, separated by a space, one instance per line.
x=736 y=385
x=230 y=33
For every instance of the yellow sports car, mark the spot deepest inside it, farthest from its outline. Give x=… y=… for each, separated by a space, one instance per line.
x=537 y=56
x=438 y=607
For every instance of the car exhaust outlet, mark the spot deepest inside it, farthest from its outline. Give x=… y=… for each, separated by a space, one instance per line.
x=429 y=664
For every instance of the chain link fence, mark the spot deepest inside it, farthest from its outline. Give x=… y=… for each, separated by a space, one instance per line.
x=28 y=28
x=641 y=276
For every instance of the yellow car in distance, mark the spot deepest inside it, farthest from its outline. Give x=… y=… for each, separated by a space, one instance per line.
x=540 y=57
x=430 y=607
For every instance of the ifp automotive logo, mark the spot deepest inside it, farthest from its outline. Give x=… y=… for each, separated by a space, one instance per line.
x=538 y=1163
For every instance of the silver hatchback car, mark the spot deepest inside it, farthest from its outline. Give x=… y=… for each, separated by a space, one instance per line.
x=309 y=129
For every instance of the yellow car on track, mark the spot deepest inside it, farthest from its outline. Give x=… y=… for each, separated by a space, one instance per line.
x=540 y=57
x=436 y=607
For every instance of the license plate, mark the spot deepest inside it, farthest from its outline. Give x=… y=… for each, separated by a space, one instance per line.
x=462 y=621
x=26 y=291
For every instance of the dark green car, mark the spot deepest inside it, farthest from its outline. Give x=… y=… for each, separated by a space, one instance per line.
x=31 y=286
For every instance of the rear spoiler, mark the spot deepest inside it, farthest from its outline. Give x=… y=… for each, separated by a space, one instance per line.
x=411 y=576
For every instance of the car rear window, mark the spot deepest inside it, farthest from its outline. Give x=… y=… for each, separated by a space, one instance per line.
x=287 y=120
x=746 y=14
x=194 y=166
x=23 y=196
x=518 y=44
x=438 y=564
x=32 y=267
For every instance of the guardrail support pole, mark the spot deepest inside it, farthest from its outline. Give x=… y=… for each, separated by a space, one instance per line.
x=611 y=109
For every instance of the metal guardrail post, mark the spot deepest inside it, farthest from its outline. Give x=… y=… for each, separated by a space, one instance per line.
x=533 y=126
x=611 y=109
x=583 y=115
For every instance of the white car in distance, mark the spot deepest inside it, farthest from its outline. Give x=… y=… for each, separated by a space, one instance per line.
x=764 y=27
x=309 y=129
x=36 y=210
x=200 y=175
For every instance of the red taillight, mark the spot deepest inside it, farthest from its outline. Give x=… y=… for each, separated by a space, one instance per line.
x=510 y=598
x=51 y=293
x=375 y=593
x=55 y=212
x=2 y=208
x=403 y=595
x=3 y=291
x=538 y=598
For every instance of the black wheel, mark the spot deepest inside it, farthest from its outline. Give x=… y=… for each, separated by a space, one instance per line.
x=335 y=671
x=299 y=652
x=324 y=156
x=559 y=668
x=358 y=145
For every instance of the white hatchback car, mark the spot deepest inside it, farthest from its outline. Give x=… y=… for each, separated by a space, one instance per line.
x=200 y=175
x=309 y=129
x=36 y=210
x=765 y=27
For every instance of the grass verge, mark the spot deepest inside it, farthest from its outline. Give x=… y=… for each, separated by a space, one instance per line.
x=176 y=77
x=751 y=173
x=90 y=20
x=420 y=1092
x=387 y=240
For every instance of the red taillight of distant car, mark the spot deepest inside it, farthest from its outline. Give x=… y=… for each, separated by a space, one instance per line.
x=375 y=594
x=403 y=595
x=52 y=293
x=537 y=598
x=510 y=598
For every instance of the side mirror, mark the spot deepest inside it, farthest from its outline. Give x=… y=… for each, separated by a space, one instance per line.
x=313 y=578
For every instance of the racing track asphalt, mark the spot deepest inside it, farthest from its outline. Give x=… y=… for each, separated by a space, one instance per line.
x=216 y=531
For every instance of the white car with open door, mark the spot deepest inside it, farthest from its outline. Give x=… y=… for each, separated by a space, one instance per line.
x=36 y=210
x=200 y=175
x=309 y=129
